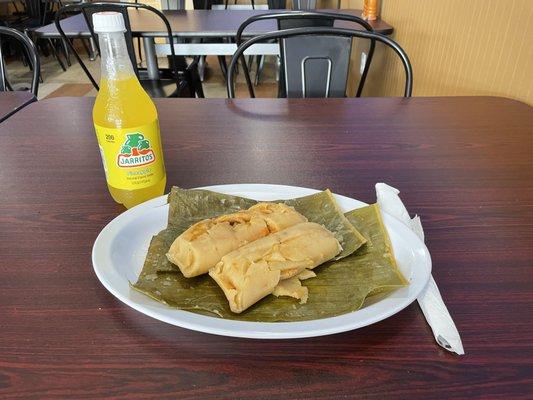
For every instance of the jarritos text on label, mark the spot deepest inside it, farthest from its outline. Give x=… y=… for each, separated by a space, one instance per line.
x=135 y=151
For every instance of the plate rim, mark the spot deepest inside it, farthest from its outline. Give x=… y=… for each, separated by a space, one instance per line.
x=250 y=329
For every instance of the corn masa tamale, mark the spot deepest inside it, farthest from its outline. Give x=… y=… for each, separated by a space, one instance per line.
x=203 y=244
x=251 y=272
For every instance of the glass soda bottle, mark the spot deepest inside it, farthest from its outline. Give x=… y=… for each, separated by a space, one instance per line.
x=125 y=121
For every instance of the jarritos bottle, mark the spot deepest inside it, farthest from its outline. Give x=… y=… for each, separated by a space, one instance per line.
x=125 y=120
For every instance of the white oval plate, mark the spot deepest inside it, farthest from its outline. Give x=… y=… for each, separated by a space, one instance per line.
x=119 y=252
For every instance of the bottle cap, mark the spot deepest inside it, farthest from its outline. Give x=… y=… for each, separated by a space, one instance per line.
x=108 y=21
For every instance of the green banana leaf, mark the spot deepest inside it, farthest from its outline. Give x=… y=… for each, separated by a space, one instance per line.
x=341 y=286
x=188 y=206
x=324 y=210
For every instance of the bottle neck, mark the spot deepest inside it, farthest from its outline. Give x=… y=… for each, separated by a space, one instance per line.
x=116 y=62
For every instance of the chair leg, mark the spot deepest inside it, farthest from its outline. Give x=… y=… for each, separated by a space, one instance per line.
x=39 y=44
x=198 y=87
x=56 y=55
x=281 y=80
x=223 y=66
x=260 y=67
x=44 y=50
x=86 y=47
x=61 y=49
x=66 y=52
x=8 y=86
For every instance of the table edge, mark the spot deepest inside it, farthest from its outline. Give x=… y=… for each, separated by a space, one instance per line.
x=499 y=98
x=386 y=31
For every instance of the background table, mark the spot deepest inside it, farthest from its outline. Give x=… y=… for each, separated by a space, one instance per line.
x=463 y=164
x=192 y=23
x=11 y=102
x=195 y=24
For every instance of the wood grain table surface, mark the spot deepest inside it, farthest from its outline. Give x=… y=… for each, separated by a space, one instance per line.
x=464 y=164
x=195 y=23
x=11 y=102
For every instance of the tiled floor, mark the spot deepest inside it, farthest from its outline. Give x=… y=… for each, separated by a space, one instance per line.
x=74 y=82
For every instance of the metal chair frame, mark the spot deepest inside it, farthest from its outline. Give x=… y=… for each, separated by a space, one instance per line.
x=31 y=53
x=342 y=32
x=309 y=16
x=86 y=8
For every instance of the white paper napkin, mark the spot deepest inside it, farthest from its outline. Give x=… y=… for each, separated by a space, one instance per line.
x=430 y=300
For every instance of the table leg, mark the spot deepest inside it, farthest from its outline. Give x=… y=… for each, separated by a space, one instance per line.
x=201 y=68
x=92 y=49
x=151 y=58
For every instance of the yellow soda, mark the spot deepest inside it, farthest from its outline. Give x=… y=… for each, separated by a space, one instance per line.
x=125 y=120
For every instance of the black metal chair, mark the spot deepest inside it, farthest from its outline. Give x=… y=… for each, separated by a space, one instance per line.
x=31 y=54
x=302 y=19
x=316 y=65
x=175 y=81
x=37 y=13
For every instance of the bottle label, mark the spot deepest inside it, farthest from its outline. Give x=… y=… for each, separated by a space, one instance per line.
x=132 y=157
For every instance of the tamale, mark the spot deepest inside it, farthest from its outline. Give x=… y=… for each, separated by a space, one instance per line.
x=306 y=274
x=189 y=206
x=251 y=272
x=292 y=287
x=339 y=287
x=203 y=244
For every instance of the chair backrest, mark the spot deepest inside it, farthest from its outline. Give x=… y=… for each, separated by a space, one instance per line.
x=224 y=5
x=277 y=4
x=30 y=52
x=202 y=4
x=88 y=9
x=303 y=4
x=171 y=4
x=323 y=58
x=330 y=38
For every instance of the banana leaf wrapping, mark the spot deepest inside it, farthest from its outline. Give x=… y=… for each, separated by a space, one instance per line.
x=341 y=285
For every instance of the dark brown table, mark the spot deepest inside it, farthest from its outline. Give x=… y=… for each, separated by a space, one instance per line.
x=464 y=164
x=193 y=23
x=11 y=102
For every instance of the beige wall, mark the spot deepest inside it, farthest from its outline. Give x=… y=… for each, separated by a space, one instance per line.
x=457 y=47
